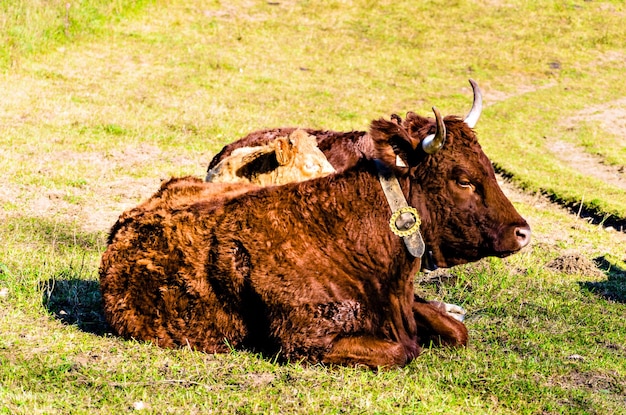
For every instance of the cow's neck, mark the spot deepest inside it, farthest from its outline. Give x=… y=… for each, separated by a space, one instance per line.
x=405 y=221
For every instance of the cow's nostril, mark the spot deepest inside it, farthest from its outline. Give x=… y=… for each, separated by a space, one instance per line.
x=523 y=235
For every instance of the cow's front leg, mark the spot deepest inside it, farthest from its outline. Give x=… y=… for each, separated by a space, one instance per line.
x=436 y=326
x=370 y=351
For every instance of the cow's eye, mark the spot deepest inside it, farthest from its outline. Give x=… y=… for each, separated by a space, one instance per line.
x=465 y=183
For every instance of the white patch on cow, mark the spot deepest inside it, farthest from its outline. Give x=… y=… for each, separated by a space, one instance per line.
x=400 y=162
x=455 y=311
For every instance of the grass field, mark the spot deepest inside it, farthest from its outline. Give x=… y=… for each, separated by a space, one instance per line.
x=104 y=99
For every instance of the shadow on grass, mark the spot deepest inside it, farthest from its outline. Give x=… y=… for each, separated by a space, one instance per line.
x=71 y=294
x=76 y=302
x=614 y=288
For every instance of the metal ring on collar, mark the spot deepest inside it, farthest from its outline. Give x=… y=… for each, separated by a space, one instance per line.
x=412 y=229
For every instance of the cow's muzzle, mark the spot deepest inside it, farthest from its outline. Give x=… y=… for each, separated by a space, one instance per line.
x=514 y=239
x=522 y=234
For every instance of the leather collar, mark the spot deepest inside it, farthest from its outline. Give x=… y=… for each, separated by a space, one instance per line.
x=405 y=221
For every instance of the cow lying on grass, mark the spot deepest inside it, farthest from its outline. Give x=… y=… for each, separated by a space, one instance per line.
x=283 y=160
x=313 y=270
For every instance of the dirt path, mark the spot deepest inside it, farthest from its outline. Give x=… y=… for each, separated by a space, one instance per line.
x=589 y=164
x=612 y=118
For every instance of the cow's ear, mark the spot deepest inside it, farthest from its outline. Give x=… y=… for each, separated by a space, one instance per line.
x=393 y=145
x=284 y=149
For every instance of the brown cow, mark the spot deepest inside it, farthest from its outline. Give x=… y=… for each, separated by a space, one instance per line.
x=313 y=270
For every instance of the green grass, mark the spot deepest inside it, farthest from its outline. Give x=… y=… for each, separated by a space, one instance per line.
x=29 y=27
x=96 y=113
x=540 y=342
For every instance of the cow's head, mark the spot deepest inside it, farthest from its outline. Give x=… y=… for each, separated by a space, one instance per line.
x=447 y=177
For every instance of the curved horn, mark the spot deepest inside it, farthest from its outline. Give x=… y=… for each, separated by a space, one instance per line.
x=434 y=142
x=477 y=106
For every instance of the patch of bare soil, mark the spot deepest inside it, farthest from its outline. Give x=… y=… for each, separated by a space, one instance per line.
x=95 y=205
x=612 y=118
x=593 y=380
x=575 y=263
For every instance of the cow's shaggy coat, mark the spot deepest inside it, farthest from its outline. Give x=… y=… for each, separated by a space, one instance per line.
x=309 y=269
